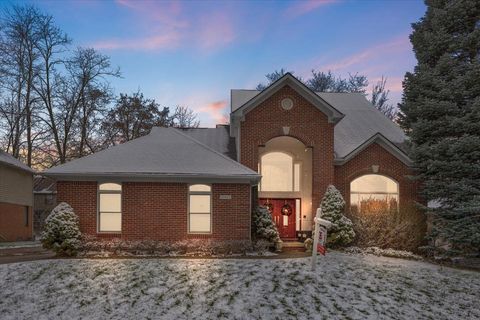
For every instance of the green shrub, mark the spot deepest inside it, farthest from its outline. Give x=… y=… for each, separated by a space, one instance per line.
x=61 y=232
x=333 y=205
x=263 y=225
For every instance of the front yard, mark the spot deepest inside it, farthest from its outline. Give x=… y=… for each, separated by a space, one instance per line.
x=344 y=286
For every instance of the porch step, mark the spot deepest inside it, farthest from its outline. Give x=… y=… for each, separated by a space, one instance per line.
x=293 y=246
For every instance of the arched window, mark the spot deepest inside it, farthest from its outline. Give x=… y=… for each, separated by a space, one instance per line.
x=279 y=172
x=373 y=193
x=109 y=207
x=199 y=208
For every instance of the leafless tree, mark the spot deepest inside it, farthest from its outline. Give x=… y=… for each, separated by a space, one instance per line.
x=380 y=99
x=185 y=117
x=18 y=57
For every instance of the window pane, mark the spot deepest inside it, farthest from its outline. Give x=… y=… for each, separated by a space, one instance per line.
x=373 y=183
x=110 y=202
x=373 y=194
x=277 y=172
x=200 y=223
x=200 y=187
x=110 y=221
x=199 y=203
x=110 y=186
x=296 y=177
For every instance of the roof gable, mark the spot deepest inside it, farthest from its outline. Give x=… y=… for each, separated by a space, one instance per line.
x=166 y=154
x=383 y=142
x=288 y=79
x=360 y=123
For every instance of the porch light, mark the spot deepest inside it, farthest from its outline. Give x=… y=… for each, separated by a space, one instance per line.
x=286 y=130
x=375 y=168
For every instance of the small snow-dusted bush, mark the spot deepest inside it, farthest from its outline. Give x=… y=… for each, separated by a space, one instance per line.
x=341 y=233
x=61 y=232
x=263 y=225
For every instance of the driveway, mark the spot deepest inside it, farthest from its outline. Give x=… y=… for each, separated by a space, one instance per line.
x=18 y=253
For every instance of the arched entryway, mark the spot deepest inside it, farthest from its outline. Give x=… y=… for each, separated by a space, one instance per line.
x=285 y=164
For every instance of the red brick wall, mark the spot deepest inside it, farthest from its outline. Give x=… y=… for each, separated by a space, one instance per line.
x=306 y=122
x=158 y=211
x=12 y=222
x=390 y=166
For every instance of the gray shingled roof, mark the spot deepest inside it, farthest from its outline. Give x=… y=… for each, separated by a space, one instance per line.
x=11 y=161
x=216 y=138
x=361 y=121
x=166 y=153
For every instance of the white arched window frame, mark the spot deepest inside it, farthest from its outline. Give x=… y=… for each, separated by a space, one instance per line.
x=280 y=172
x=109 y=217
x=199 y=208
x=374 y=193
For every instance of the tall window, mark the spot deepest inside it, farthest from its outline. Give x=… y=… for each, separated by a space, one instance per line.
x=373 y=193
x=109 y=207
x=279 y=172
x=199 y=208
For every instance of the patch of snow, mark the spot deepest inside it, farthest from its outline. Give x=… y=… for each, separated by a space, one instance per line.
x=384 y=252
x=344 y=286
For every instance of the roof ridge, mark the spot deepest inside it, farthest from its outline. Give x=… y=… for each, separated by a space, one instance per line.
x=238 y=164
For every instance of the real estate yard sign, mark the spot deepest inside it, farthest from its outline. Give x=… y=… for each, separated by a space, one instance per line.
x=320 y=237
x=322 y=240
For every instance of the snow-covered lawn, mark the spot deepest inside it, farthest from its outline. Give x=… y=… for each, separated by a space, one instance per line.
x=344 y=286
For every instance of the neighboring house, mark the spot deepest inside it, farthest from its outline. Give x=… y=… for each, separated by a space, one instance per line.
x=44 y=200
x=201 y=183
x=16 y=199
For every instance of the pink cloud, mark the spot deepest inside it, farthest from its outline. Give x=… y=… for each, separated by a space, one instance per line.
x=303 y=7
x=162 y=41
x=165 y=25
x=400 y=44
x=215 y=30
x=214 y=110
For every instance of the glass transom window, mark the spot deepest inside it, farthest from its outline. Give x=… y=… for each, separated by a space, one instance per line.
x=279 y=172
x=110 y=207
x=199 y=208
x=373 y=193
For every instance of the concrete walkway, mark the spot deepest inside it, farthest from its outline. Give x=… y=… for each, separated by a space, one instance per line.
x=21 y=254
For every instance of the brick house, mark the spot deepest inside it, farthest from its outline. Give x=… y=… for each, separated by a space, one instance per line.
x=16 y=199
x=283 y=147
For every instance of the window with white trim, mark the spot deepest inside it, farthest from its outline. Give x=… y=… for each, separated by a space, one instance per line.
x=373 y=193
x=109 y=207
x=200 y=208
x=279 y=172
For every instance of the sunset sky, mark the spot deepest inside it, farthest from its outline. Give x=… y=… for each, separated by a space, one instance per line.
x=192 y=53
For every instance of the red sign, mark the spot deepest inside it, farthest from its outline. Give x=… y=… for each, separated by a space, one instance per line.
x=322 y=241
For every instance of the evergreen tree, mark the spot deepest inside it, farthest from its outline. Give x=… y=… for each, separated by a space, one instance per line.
x=263 y=225
x=61 y=231
x=440 y=111
x=341 y=233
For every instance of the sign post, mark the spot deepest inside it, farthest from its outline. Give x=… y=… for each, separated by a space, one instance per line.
x=319 y=237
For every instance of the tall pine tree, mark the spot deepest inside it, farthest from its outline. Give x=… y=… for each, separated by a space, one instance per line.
x=440 y=111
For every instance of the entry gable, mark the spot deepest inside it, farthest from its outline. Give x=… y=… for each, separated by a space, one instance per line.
x=382 y=141
x=288 y=79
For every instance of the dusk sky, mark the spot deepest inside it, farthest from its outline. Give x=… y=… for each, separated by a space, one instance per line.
x=192 y=53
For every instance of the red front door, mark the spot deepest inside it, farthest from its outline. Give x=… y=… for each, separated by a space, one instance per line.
x=283 y=214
